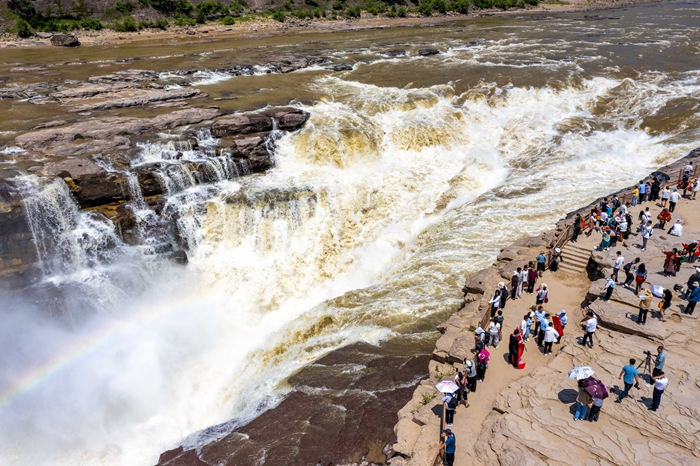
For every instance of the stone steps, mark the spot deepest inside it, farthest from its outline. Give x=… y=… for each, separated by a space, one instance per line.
x=575 y=258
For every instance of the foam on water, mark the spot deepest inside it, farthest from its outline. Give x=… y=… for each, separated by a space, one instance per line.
x=373 y=214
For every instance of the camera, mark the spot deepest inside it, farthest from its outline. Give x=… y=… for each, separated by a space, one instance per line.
x=648 y=353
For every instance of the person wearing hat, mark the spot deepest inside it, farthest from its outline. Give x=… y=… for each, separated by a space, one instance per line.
x=605 y=239
x=693 y=299
x=556 y=258
x=470 y=372
x=644 y=304
x=676 y=229
x=451 y=401
x=495 y=302
x=450 y=446
x=504 y=294
x=673 y=200
x=609 y=287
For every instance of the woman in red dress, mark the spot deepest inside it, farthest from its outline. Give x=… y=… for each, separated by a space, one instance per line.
x=556 y=320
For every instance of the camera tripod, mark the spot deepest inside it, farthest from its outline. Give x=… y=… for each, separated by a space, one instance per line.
x=647 y=365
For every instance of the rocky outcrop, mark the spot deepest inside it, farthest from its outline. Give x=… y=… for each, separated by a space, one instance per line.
x=64 y=40
x=142 y=98
x=287 y=119
x=108 y=134
x=90 y=184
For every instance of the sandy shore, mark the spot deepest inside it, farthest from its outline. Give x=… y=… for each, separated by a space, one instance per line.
x=526 y=414
x=269 y=27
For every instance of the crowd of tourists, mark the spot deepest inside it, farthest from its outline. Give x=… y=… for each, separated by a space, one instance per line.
x=613 y=220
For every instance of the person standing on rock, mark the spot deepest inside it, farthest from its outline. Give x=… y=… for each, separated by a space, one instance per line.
x=609 y=287
x=641 y=277
x=644 y=304
x=470 y=372
x=665 y=304
x=664 y=217
x=694 y=189
x=514 y=283
x=556 y=258
x=583 y=401
x=629 y=376
x=522 y=281
x=525 y=327
x=504 y=294
x=513 y=348
x=654 y=191
x=461 y=381
x=450 y=446
x=642 y=191
x=659 y=361
x=647 y=232
x=591 y=325
x=541 y=263
x=499 y=320
x=482 y=363
x=495 y=302
x=660 y=384
x=544 y=324
x=450 y=400
x=628 y=272
x=539 y=315
x=665 y=196
x=542 y=294
x=550 y=336
x=618 y=264
x=604 y=239
x=675 y=197
x=532 y=277
x=693 y=299
x=563 y=319
x=494 y=330
x=595 y=409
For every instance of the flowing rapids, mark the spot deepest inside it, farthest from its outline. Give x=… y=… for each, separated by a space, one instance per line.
x=410 y=173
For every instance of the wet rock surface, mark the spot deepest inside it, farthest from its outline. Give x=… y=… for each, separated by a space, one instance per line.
x=340 y=411
x=64 y=40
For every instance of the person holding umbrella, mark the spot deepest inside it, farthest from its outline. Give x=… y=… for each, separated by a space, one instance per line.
x=449 y=400
x=583 y=401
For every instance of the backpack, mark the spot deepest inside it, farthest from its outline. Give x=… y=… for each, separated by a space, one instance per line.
x=452 y=402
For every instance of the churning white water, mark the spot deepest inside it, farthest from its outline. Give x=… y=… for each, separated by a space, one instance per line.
x=375 y=211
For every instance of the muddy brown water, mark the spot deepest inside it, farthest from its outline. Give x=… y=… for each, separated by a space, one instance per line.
x=422 y=167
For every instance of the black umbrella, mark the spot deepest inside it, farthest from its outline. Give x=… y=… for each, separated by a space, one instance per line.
x=661 y=176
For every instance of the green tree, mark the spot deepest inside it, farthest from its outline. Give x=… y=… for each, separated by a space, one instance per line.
x=278 y=15
x=23 y=8
x=22 y=28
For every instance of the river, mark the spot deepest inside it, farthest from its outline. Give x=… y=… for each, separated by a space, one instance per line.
x=411 y=173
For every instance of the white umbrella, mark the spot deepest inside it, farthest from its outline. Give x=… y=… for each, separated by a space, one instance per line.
x=447 y=386
x=581 y=372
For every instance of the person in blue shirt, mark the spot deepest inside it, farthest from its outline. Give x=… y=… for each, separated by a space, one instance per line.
x=642 y=192
x=544 y=323
x=449 y=446
x=693 y=299
x=541 y=261
x=631 y=377
x=659 y=361
x=564 y=318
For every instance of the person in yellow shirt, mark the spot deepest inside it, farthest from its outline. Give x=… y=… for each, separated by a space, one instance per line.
x=635 y=196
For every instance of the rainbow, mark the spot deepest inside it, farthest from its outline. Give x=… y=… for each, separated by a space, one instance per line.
x=87 y=345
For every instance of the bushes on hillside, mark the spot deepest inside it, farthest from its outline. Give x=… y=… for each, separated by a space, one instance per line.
x=22 y=28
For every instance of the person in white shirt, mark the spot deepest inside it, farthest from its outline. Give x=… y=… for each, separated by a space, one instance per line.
x=646 y=234
x=665 y=196
x=694 y=189
x=550 y=336
x=591 y=324
x=660 y=384
x=618 y=264
x=675 y=197
x=676 y=229
x=494 y=327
